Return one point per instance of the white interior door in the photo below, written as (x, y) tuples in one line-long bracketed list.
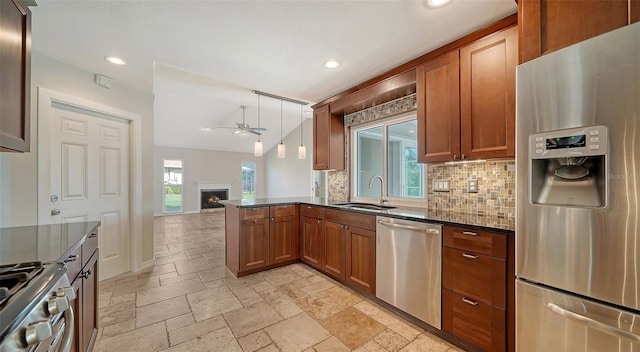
[(89, 167)]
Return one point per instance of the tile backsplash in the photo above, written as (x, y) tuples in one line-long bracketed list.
[(495, 179)]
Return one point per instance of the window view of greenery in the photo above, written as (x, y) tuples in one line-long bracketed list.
[(405, 176), (172, 186), (389, 150), (248, 180)]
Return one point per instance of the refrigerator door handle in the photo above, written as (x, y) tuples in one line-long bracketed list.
[(594, 324)]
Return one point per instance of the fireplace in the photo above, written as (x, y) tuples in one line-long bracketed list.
[(210, 198)]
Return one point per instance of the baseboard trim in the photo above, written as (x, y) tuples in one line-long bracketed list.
[(145, 265)]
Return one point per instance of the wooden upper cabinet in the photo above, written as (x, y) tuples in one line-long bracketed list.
[(437, 91), (328, 140), (549, 25), (487, 96), (466, 101), (15, 70)]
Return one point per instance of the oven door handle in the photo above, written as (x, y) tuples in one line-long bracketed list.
[(594, 324), (69, 322)]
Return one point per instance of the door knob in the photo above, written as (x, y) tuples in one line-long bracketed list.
[(55, 211)]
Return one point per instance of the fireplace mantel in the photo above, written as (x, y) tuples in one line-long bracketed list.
[(213, 185)]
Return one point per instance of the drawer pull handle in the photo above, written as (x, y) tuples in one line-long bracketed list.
[(469, 256), (319, 221), (469, 233), (71, 258), (468, 301)]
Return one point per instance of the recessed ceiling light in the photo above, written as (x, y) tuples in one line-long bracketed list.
[(115, 60), (331, 64), (206, 129), (436, 3)]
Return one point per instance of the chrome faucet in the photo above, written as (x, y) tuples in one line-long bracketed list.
[(382, 199)]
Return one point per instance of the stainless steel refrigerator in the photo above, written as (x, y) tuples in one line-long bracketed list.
[(578, 197)]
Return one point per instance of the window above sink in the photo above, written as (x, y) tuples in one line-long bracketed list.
[(388, 148)]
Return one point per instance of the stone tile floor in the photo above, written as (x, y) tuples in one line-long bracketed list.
[(190, 302)]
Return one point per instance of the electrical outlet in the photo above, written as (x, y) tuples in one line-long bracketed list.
[(472, 186)]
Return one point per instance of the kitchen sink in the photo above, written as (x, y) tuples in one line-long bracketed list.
[(368, 206)]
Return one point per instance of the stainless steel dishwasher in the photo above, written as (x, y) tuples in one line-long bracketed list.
[(408, 262)]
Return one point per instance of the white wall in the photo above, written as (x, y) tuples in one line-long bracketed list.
[(18, 172), (205, 165), (291, 177)]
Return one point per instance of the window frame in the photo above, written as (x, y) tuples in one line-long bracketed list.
[(164, 198), (384, 123), (242, 178)]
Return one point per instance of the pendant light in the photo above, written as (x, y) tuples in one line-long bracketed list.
[(281, 147), (302, 151), (257, 147)]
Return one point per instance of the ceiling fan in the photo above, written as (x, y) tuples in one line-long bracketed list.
[(242, 128)]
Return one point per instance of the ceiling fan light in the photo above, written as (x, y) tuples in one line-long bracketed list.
[(302, 152), (257, 148), (281, 150)]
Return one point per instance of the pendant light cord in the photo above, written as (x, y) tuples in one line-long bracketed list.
[(281, 121), (258, 116), (301, 124)]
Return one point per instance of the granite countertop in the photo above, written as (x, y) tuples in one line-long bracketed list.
[(478, 222), (45, 243)]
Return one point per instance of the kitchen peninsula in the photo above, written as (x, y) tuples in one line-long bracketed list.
[(339, 240)]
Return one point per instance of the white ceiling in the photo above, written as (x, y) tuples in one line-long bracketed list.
[(202, 59)]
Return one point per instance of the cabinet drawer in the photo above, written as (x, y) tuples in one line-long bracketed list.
[(349, 218), (282, 210), (476, 241), (254, 213), (73, 263), (476, 275), (473, 321), (311, 212), (89, 246)]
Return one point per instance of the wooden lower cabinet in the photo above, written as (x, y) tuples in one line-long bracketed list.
[(85, 284), (361, 259), (284, 239), (259, 238), (334, 249), (477, 288), (481, 276), (474, 321), (312, 249), (89, 302), (254, 244)]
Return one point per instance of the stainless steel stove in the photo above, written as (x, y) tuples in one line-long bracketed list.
[(35, 308)]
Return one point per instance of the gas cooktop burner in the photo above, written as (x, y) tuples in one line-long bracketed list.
[(14, 276)]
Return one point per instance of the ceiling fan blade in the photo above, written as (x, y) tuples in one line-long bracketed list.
[(255, 132), (228, 127), (238, 132), (258, 129)]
